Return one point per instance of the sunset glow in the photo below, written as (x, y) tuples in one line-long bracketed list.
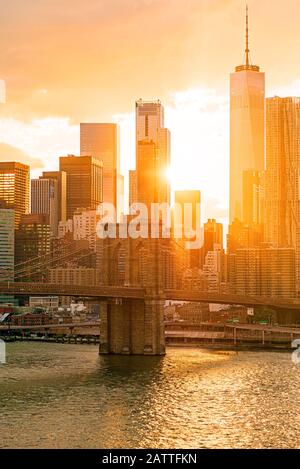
[(57, 75)]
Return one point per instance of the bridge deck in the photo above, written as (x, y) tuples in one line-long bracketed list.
[(131, 292)]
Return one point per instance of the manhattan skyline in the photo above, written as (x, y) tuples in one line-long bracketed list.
[(149, 228), (41, 116)]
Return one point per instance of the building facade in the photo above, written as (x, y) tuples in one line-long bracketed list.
[(102, 142), (213, 235), (282, 195), (84, 182), (247, 128), (73, 276), (61, 178), (14, 188), (7, 250), (7, 218), (152, 154), (85, 226), (45, 200), (32, 242), (268, 272)]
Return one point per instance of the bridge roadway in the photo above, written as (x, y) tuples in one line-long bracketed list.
[(226, 299), (34, 289), (123, 292)]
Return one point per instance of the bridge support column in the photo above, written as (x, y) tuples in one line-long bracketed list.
[(154, 331), (104, 339), (132, 327)]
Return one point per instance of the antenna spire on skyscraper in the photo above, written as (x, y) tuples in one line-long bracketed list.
[(247, 38), (248, 65)]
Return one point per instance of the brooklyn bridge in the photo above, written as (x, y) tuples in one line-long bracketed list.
[(136, 278)]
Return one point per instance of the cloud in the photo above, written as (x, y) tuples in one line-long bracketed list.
[(11, 153), (44, 140)]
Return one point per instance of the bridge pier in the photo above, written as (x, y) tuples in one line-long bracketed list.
[(132, 327), (285, 316)]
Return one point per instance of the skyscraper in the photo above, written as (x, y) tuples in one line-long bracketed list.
[(147, 187), (187, 213), (213, 237), (61, 178), (102, 142), (241, 235), (253, 197), (282, 197), (132, 187), (32, 241), (265, 271), (14, 187), (7, 221), (247, 127), (149, 119), (44, 200), (152, 153), (84, 182), (7, 249), (213, 234)]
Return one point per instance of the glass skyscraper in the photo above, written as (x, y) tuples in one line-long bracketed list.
[(84, 182), (14, 187), (102, 141), (152, 153), (282, 194), (247, 129), (7, 256)]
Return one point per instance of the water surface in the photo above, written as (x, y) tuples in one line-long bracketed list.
[(66, 396)]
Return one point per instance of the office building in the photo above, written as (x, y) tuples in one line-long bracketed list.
[(7, 250), (213, 235), (253, 198), (214, 269), (32, 241), (85, 226), (14, 187), (73, 276), (247, 128), (282, 197), (102, 141), (152, 154), (61, 178), (241, 235), (266, 271), (84, 182), (7, 220), (149, 117), (44, 200), (132, 187), (47, 302)]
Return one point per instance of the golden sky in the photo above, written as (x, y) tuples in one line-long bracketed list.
[(67, 61)]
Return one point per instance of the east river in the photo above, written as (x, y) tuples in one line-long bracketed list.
[(66, 396)]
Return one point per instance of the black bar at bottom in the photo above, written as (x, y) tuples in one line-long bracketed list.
[(137, 458)]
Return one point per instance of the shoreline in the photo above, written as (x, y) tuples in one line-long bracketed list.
[(225, 347)]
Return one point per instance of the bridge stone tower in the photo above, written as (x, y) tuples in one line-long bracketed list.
[(136, 326)]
